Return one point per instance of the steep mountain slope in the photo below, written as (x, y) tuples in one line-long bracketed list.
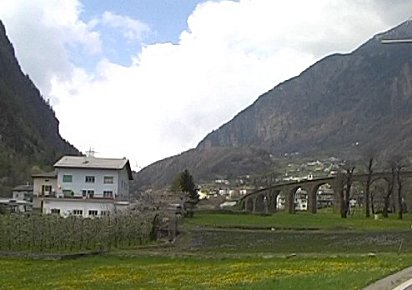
[(29, 129), (216, 162), (362, 98)]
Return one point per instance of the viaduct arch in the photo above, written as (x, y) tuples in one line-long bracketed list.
[(264, 200)]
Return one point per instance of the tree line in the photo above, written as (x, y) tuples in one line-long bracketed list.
[(391, 191)]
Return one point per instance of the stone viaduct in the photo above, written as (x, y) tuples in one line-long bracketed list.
[(264, 200)]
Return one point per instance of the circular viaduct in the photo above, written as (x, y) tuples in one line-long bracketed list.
[(264, 200)]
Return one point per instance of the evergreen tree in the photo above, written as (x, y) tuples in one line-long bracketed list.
[(188, 186), (184, 185)]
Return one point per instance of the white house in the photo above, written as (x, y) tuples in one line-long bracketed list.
[(84, 186)]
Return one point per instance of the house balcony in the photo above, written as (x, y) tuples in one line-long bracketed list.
[(78, 196), (47, 194)]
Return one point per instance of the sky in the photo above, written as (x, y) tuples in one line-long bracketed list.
[(148, 79)]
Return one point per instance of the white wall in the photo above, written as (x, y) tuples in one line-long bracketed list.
[(18, 195), (79, 184), (67, 206), (123, 184), (38, 182)]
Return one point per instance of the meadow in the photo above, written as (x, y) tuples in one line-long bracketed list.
[(111, 272), (236, 251), (301, 221)]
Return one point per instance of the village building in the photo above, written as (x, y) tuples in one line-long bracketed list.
[(23, 193), (20, 202), (84, 186)]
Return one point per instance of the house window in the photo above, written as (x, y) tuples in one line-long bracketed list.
[(84, 193), (89, 179), (68, 193), (78, 212), (105, 213), (108, 193), (93, 212), (67, 178), (46, 189), (55, 211), (108, 179), (90, 193)]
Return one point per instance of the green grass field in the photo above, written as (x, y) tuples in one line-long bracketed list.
[(237, 251), (303, 220), (110, 272), (300, 233), (287, 242)]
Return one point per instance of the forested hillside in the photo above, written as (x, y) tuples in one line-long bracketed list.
[(29, 129)]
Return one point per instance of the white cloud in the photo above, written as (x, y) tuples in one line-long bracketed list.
[(172, 95), (41, 32), (132, 29)]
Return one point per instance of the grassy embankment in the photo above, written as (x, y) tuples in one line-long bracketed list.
[(300, 233), (301, 221), (224, 251)]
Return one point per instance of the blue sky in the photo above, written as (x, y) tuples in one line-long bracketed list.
[(166, 19), (149, 79)]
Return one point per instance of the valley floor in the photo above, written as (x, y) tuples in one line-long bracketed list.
[(229, 251), (153, 272)]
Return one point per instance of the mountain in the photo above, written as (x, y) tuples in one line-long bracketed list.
[(339, 106), (361, 97), (29, 129)]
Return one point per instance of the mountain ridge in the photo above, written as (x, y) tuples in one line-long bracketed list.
[(340, 105), (29, 129)]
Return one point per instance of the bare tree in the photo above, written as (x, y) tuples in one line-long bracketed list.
[(389, 191), (369, 157), (372, 201), (398, 164), (349, 168), (339, 186)]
